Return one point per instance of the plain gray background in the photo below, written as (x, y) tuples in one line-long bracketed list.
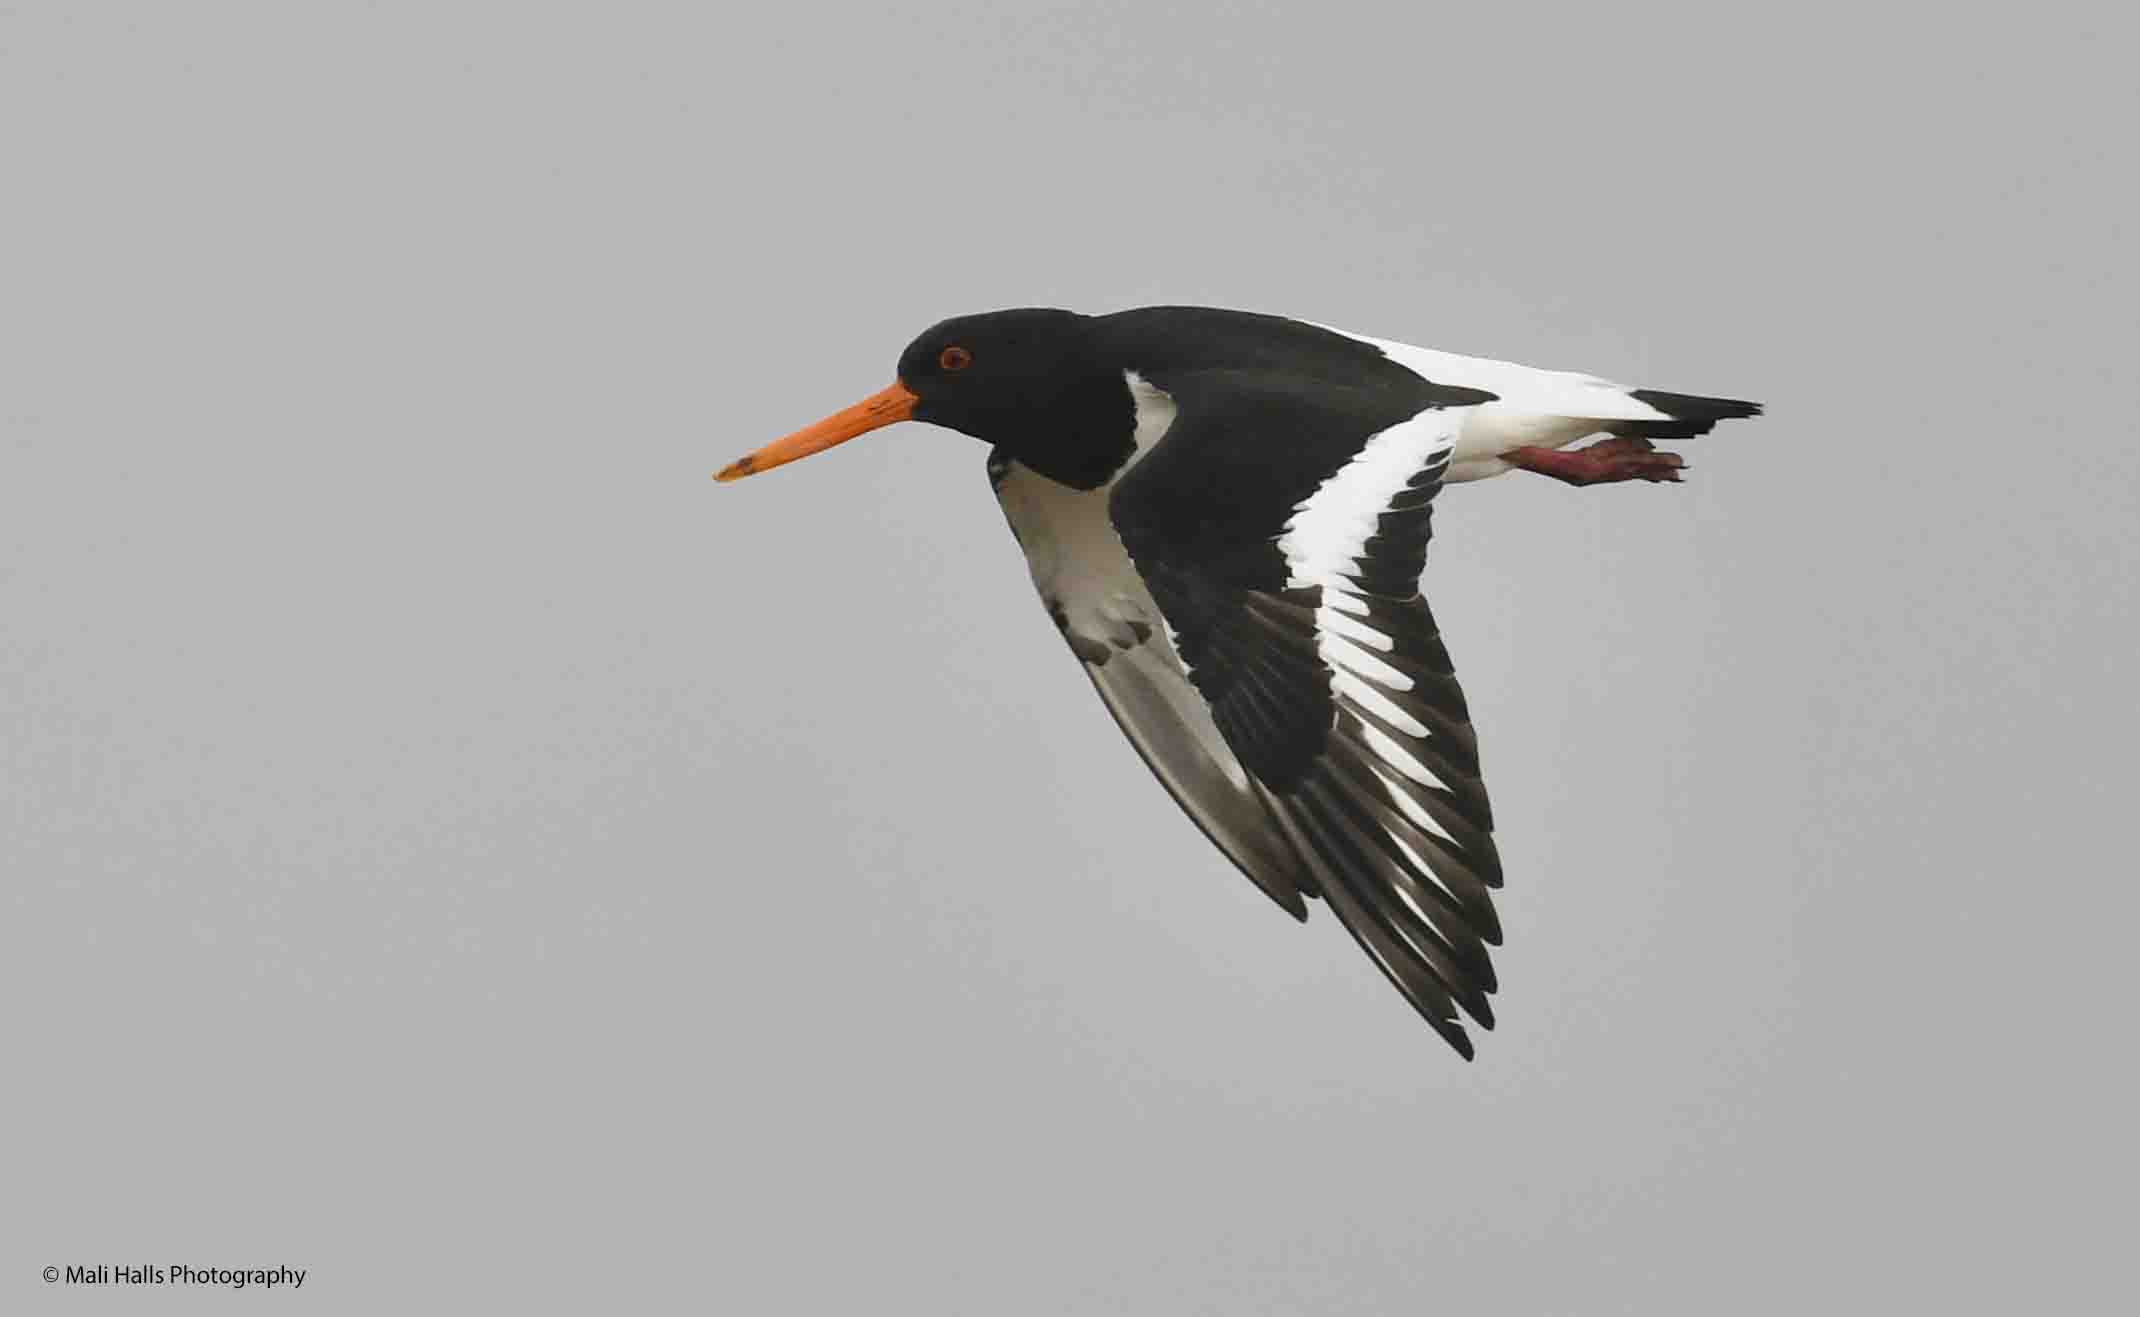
[(451, 845)]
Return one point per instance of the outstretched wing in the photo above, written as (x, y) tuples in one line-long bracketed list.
[(1280, 530)]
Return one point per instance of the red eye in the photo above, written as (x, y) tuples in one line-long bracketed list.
[(954, 358)]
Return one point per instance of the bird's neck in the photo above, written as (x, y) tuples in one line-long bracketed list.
[(1084, 437)]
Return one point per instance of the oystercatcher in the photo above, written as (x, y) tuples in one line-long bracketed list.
[(1227, 514)]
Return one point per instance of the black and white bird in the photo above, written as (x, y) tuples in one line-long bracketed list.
[(1227, 516)]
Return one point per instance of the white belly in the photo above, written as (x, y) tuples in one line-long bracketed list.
[(1496, 427)]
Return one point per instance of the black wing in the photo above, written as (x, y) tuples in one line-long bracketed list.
[(1281, 529)]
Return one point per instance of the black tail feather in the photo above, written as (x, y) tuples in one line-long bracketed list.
[(1691, 414)]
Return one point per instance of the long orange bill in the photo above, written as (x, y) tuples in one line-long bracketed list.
[(874, 412)]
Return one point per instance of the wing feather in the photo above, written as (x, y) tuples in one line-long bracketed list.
[(1164, 718), (1327, 677)]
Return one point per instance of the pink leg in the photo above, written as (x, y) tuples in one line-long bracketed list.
[(1624, 458)]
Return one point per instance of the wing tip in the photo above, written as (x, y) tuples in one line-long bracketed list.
[(1452, 1033)]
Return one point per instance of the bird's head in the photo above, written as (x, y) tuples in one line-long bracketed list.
[(1034, 382)]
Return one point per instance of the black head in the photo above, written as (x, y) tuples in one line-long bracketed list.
[(1033, 382), (981, 374)]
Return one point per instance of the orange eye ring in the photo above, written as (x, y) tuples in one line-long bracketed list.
[(954, 358)]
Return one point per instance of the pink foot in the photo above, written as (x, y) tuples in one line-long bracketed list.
[(1622, 458)]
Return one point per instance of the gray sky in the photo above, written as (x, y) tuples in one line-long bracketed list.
[(453, 846)]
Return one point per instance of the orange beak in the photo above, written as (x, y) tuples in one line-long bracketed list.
[(874, 412)]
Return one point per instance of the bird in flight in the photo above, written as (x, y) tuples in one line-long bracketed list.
[(1226, 515)]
